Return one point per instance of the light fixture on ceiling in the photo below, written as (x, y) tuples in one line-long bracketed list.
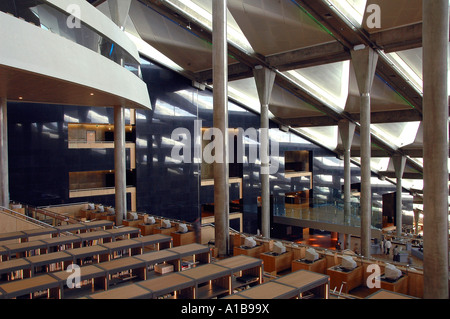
[(20, 98)]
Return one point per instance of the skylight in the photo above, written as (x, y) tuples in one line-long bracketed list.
[(200, 11), (351, 9)]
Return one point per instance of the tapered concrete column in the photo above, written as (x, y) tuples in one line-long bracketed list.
[(4, 167), (347, 131), (399, 166), (220, 120), (435, 140), (364, 62), (264, 79), (119, 164)]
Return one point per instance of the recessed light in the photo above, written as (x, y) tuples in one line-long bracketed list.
[(92, 93), (20, 98)]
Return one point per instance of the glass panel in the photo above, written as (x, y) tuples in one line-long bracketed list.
[(56, 21)]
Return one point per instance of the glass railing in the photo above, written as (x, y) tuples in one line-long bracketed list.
[(326, 208), (52, 19)]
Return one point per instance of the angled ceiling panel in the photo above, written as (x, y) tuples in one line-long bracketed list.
[(178, 44), (274, 27), (394, 14)]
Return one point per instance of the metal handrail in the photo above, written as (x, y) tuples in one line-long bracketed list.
[(23, 216)]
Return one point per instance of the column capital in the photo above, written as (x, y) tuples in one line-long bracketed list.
[(364, 63)]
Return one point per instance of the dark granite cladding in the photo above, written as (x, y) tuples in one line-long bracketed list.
[(39, 157)]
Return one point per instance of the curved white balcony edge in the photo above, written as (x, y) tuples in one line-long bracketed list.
[(94, 18), (31, 59)]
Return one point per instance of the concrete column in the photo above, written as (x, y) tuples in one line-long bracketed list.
[(264, 79), (119, 164), (435, 141), (364, 62), (347, 131), (220, 120), (4, 167), (399, 166)]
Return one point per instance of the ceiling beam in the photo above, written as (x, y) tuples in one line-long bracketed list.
[(397, 39), (311, 56)]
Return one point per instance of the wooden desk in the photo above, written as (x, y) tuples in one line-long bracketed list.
[(270, 290), (156, 257), (252, 252), (30, 286), (175, 284), (72, 228), (305, 280), (120, 246), (89, 272), (21, 264), (276, 263), (353, 278), (127, 232), (54, 244), (319, 265), (131, 291), (79, 254), (60, 259), (198, 252), (399, 286), (211, 280), (164, 231), (24, 249), (126, 264), (39, 232), (384, 294), (180, 239), (159, 241), (88, 238), (243, 269), (103, 224), (17, 235), (147, 229)]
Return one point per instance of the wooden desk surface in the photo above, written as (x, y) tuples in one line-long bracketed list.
[(71, 227), (87, 251), (167, 283), (303, 279), (270, 290), (94, 235), (61, 240), (23, 286), (98, 223), (155, 257), (153, 239), (14, 264), (190, 249), (239, 262), (121, 264), (39, 231), (207, 272), (12, 235), (132, 291), (122, 244), (123, 231), (86, 272), (28, 245), (43, 259), (385, 294)]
